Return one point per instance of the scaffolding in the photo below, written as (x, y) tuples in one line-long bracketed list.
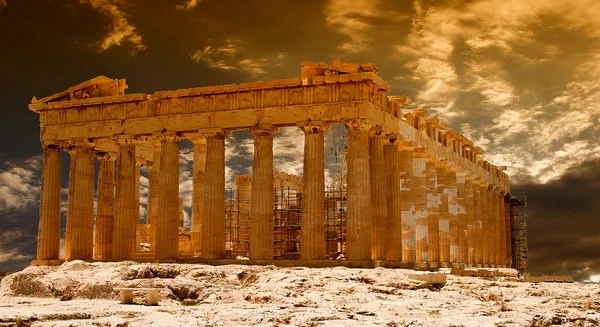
[(237, 223), (335, 221), (287, 211), (518, 215)]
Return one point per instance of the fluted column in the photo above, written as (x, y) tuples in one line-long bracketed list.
[(461, 206), (359, 225), (378, 196), (213, 231), (493, 223), (394, 201), (167, 224), (419, 187), (477, 209), (80, 222), (312, 236), (508, 231), (198, 191), (433, 223), (471, 223), (126, 213), (261, 214), (444, 218), (500, 247), (105, 208), (407, 205), (485, 211), (48, 243), (153, 186), (451, 190)]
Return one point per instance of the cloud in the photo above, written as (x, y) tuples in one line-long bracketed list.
[(120, 31), (233, 56), (3, 5), (20, 184), (350, 18), (563, 223), (188, 5), (12, 246)]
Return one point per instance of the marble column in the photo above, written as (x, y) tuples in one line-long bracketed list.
[(359, 224), (500, 246), (407, 204), (451, 190), (261, 214), (419, 188), (471, 223), (488, 227), (378, 196), (80, 222), (493, 217), (105, 208), (198, 191), (213, 231), (508, 230), (433, 200), (167, 224), (461, 202), (478, 222), (394, 200), (153, 187), (126, 213), (312, 236), (48, 244), (485, 229), (444, 218)]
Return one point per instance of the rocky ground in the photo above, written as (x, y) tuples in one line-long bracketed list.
[(81, 294)]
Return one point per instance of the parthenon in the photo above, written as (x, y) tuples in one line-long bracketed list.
[(418, 193)]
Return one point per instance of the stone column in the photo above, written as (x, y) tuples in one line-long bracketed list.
[(394, 200), (167, 224), (80, 222), (461, 201), (451, 190), (378, 196), (471, 223), (500, 247), (126, 213), (105, 208), (312, 236), (444, 218), (508, 231), (359, 224), (407, 205), (485, 228), (419, 188), (48, 243), (213, 231), (261, 215), (198, 191), (478, 222), (153, 186), (433, 200), (488, 226), (138, 168)]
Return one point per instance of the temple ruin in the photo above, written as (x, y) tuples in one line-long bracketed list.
[(418, 194)]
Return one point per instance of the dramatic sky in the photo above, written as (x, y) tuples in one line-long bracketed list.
[(520, 78)]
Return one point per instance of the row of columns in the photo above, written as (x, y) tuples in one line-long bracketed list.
[(403, 205)]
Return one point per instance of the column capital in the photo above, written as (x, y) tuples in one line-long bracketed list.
[(195, 137), (313, 126), (359, 125), (126, 139), (405, 145), (53, 145), (264, 130), (215, 133), (107, 156), (441, 163), (419, 153), (167, 136)]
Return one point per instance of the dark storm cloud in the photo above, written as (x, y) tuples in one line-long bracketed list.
[(564, 223)]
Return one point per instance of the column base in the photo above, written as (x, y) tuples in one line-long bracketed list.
[(456, 265), (434, 265), (421, 265), (479, 265), (47, 262), (445, 265)]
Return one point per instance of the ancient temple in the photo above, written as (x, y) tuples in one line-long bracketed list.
[(418, 193)]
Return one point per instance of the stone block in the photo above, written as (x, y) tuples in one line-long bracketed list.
[(435, 279)]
